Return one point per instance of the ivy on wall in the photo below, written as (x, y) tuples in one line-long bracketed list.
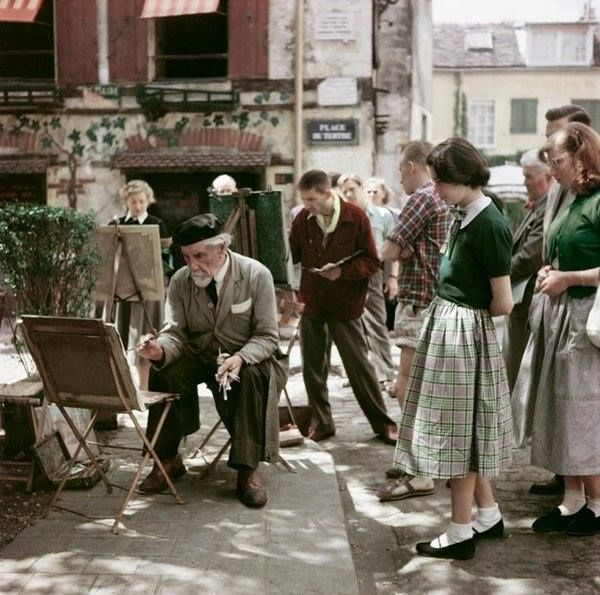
[(100, 139)]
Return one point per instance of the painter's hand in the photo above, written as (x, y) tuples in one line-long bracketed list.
[(330, 271), (232, 366), (149, 348)]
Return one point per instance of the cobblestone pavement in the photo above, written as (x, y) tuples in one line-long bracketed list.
[(304, 541), (382, 535)]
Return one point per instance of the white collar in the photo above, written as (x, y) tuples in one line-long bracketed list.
[(140, 219), (474, 208), (220, 274)]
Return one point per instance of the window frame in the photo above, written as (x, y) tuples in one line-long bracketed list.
[(557, 59), (472, 137)]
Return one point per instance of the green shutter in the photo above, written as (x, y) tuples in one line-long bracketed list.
[(593, 108), (523, 116)]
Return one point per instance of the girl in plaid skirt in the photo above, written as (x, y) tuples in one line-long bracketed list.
[(456, 422)]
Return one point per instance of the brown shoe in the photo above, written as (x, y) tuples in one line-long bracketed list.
[(319, 433), (250, 490), (155, 483)]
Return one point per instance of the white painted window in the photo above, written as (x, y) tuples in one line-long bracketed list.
[(481, 122), (547, 47)]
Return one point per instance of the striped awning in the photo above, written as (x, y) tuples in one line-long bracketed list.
[(172, 8), (19, 11)]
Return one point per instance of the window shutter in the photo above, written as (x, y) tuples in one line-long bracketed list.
[(592, 106), (248, 35), (127, 41), (76, 41), (523, 116)]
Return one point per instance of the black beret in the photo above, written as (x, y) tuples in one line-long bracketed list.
[(197, 229)]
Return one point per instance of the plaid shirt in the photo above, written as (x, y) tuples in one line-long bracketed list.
[(423, 225)]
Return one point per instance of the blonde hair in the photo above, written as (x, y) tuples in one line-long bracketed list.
[(349, 178), (135, 186), (381, 183)]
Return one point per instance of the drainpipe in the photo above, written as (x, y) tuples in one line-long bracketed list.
[(102, 31), (298, 90)]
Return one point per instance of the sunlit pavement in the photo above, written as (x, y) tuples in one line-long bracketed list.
[(323, 530)]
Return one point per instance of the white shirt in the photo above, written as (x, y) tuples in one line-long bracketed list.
[(140, 219), (474, 208), (220, 274)]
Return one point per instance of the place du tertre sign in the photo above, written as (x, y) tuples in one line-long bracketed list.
[(332, 132)]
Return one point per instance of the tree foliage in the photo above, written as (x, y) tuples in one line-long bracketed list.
[(47, 260)]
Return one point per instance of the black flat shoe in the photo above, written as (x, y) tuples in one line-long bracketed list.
[(463, 550), (495, 532), (585, 523), (553, 522)]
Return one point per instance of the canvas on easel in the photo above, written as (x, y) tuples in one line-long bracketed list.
[(140, 255), (82, 365)]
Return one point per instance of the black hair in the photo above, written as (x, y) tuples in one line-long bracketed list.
[(573, 113), (457, 161)]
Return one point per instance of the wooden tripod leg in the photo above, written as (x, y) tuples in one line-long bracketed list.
[(207, 438), (150, 445), (149, 452), (286, 465), (214, 462), (81, 444)]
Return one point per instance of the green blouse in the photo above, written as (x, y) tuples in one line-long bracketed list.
[(573, 242), (482, 250)]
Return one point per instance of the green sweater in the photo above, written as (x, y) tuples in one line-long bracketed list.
[(574, 239), (482, 250)]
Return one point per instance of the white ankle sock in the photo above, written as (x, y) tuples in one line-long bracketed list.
[(594, 505), (454, 534), (573, 501), (486, 518)]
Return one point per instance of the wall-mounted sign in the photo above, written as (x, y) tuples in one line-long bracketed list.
[(335, 26), (337, 91), (332, 132)]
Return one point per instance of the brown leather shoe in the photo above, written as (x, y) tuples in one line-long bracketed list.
[(389, 435), (250, 490), (155, 483), (319, 433)]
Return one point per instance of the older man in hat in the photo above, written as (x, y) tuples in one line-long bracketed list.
[(220, 329)]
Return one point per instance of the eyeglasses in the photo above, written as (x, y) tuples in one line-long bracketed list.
[(557, 161)]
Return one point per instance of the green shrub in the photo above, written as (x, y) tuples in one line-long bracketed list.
[(46, 259)]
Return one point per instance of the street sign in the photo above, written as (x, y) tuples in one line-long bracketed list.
[(332, 132)]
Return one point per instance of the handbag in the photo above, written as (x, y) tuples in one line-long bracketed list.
[(592, 326)]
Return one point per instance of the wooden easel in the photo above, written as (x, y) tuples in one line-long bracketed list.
[(108, 314), (243, 218), (82, 365)]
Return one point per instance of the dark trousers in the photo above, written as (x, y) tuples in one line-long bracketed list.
[(349, 338), (242, 412)]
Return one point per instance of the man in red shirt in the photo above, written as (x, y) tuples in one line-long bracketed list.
[(326, 231)]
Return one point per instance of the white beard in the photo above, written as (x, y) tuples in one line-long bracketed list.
[(201, 280)]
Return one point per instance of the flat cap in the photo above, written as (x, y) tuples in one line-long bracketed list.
[(197, 229)]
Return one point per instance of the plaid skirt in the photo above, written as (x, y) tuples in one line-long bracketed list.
[(566, 419), (457, 416)]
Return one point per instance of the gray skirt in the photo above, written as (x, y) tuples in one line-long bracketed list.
[(566, 418), (456, 417)]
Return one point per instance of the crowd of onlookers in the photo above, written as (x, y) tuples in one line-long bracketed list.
[(437, 269)]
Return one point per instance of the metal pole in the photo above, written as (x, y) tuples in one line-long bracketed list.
[(298, 90)]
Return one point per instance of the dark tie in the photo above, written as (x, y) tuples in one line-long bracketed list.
[(211, 290)]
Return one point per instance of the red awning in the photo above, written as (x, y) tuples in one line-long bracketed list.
[(172, 8), (19, 11)]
